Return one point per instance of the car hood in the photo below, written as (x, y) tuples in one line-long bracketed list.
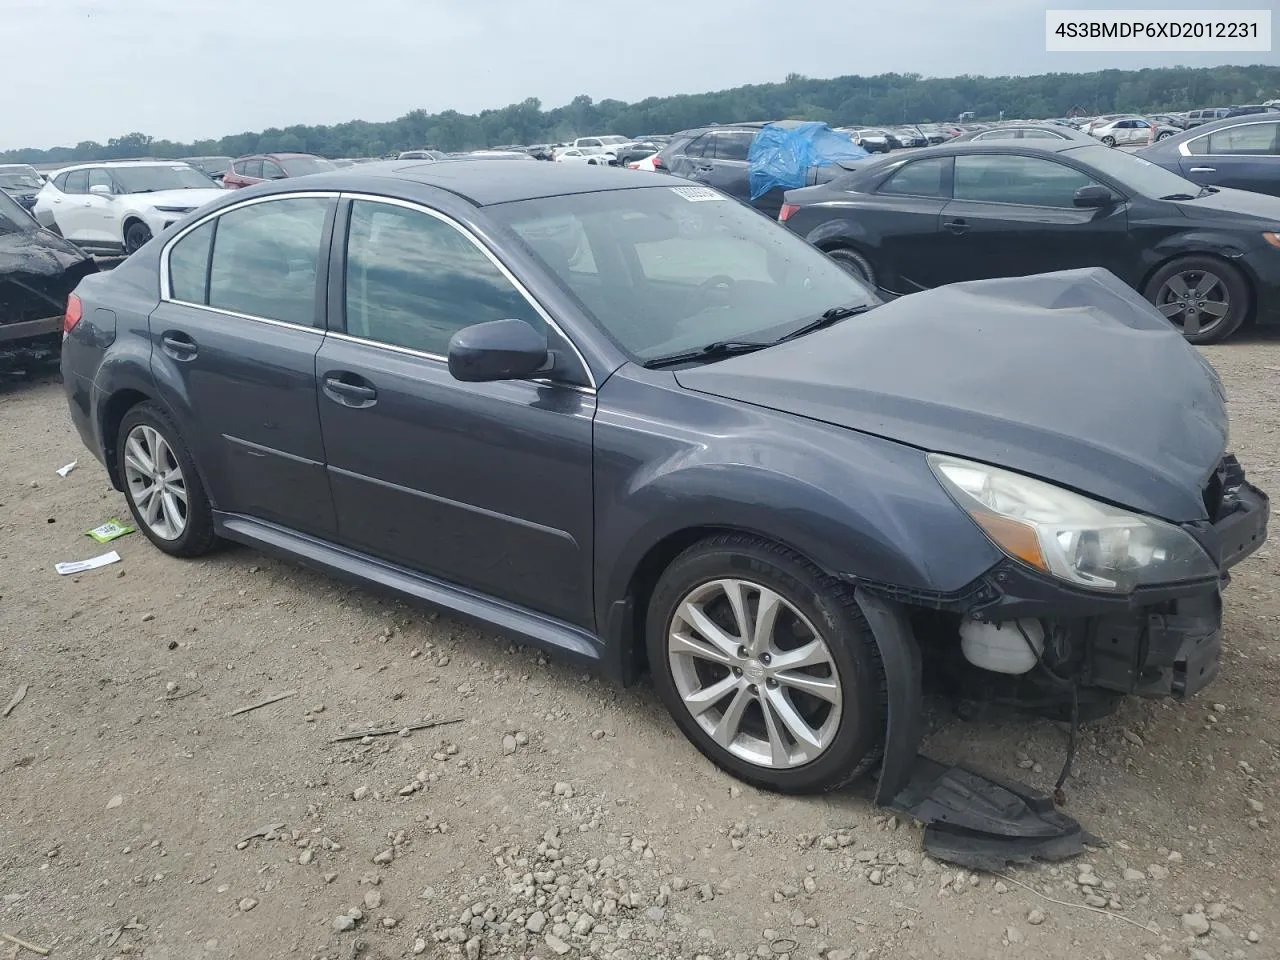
[(37, 271), (1235, 203), (178, 198), (1068, 376)]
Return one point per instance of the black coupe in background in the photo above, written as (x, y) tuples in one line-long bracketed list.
[(1208, 258)]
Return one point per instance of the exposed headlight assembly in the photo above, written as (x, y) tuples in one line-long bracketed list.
[(1065, 535)]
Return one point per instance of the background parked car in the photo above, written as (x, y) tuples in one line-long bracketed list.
[(1128, 131), (1205, 115), (1207, 259), (1241, 152), (1249, 109), (22, 182), (37, 271), (717, 156), (576, 155), (214, 168), (420, 155), (629, 153), (118, 205), (1028, 131), (273, 166), (872, 139)]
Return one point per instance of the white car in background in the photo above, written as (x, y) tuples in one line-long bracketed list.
[(645, 164), (576, 155), (117, 206), (1131, 130)]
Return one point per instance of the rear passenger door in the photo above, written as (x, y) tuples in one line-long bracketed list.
[(234, 342), (1246, 157), (728, 171)]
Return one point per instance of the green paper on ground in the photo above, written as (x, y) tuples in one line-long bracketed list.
[(113, 529)]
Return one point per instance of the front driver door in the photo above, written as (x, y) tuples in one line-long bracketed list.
[(1014, 215), (484, 485)]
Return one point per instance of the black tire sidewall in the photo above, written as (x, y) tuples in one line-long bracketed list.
[(198, 536), (1237, 287), (848, 257), (140, 228), (856, 745)]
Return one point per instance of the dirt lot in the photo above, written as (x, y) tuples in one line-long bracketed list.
[(562, 816)]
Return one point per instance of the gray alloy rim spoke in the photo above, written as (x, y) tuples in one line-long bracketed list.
[(1215, 308), (1179, 286), (1207, 282), (754, 673), (1172, 309), (155, 482)]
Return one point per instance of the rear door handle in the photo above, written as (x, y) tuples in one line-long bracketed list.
[(178, 345), (956, 226), (1204, 169), (349, 389)]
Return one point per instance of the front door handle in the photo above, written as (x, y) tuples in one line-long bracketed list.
[(178, 345), (956, 226), (1204, 169), (349, 389)]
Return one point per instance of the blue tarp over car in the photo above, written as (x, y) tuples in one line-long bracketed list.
[(783, 156)]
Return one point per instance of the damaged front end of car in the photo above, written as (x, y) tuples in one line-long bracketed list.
[(1092, 603)]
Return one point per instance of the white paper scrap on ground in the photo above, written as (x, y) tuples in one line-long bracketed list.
[(63, 471), (80, 566)]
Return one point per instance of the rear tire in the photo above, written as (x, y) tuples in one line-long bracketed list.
[(1196, 288), (822, 729), (855, 263), (162, 484), (1165, 135), (1109, 141)]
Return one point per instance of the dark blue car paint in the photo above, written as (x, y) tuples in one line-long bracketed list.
[(582, 492)]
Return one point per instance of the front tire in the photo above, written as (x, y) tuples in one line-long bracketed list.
[(1165, 135), (162, 484), (135, 236), (1206, 298), (767, 665), (1109, 141)]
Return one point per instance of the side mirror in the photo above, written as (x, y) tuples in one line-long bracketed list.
[(1094, 195), (498, 350), (100, 190)]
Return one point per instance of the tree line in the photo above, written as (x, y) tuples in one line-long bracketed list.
[(888, 98)]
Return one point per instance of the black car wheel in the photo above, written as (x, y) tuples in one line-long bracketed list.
[(162, 485), (767, 665), (855, 263), (1205, 297), (136, 235)]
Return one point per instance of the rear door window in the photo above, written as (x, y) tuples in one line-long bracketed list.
[(733, 144), (265, 259), (920, 178), (1248, 139), (253, 168), (77, 182)]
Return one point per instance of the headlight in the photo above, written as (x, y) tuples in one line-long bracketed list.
[(1068, 536)]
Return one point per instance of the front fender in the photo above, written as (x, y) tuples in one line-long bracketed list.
[(670, 460)]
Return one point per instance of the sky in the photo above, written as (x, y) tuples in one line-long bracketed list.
[(181, 70)]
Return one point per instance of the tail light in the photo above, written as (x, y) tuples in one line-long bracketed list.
[(75, 310), (787, 210), (657, 162)]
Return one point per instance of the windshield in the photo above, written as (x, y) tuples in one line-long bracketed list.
[(1135, 174), (20, 179), (148, 179), (13, 219), (665, 270), (301, 166)]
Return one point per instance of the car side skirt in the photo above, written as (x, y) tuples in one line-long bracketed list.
[(518, 623)]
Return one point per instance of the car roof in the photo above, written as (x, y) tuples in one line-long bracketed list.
[(116, 164), (484, 181)]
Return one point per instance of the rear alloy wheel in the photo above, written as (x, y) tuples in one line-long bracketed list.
[(137, 234), (1109, 141), (855, 263), (161, 484), (1204, 297), (767, 665), (1164, 135)]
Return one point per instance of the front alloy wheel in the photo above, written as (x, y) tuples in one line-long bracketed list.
[(1207, 299), (754, 673), (767, 665)]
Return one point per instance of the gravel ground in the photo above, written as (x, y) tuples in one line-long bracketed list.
[(561, 815)]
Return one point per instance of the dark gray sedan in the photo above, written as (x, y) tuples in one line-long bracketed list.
[(1240, 152), (631, 420)]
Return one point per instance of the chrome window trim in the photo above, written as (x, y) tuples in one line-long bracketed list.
[(489, 254), (245, 316), (1184, 148)]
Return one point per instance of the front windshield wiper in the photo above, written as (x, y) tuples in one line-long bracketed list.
[(1180, 196), (712, 351), (826, 319)]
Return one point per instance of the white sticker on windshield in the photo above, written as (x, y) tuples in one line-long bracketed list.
[(696, 194)]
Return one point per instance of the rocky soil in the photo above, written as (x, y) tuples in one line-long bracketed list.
[(560, 815)]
